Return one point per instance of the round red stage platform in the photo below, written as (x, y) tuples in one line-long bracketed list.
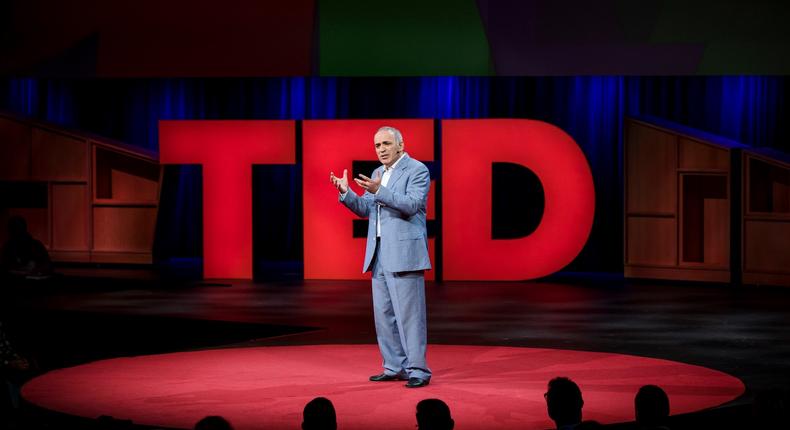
[(267, 387)]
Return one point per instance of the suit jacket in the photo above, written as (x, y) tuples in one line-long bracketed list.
[(404, 237)]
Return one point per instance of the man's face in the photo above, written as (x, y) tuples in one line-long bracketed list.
[(387, 149)]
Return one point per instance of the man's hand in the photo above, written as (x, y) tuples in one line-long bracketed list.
[(340, 183), (370, 185)]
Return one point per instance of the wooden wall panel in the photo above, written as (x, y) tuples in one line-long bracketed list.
[(701, 274), (14, 150), (47, 176), (780, 192), (757, 179), (124, 178), (119, 229), (70, 217), (696, 155), (766, 246), (58, 157), (705, 219), (678, 203), (650, 169), (768, 186), (129, 187), (652, 241), (766, 226), (716, 242)]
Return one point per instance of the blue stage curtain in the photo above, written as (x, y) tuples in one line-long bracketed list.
[(749, 109)]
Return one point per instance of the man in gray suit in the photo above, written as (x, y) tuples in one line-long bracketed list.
[(397, 253)]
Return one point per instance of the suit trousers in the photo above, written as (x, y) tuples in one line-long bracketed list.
[(401, 328)]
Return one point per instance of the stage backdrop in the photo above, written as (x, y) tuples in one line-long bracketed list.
[(751, 110)]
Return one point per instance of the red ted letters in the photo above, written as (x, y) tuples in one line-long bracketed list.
[(228, 149)]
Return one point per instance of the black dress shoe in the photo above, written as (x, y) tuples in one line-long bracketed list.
[(383, 377), (417, 382)]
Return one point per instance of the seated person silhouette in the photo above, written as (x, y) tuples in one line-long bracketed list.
[(564, 403), (434, 414), (213, 422), (22, 255), (319, 414), (651, 408)]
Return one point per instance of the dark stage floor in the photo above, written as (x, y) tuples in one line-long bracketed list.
[(93, 314)]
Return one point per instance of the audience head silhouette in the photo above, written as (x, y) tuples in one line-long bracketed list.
[(22, 254), (564, 402), (17, 229), (588, 425), (319, 414), (651, 406), (434, 414), (213, 422)]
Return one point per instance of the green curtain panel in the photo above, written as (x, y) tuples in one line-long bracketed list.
[(403, 38)]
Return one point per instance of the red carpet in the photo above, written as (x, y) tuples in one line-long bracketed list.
[(486, 387)]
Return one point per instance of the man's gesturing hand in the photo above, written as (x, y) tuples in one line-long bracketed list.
[(370, 185), (340, 183)]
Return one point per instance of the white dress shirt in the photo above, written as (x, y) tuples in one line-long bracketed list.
[(385, 178)]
